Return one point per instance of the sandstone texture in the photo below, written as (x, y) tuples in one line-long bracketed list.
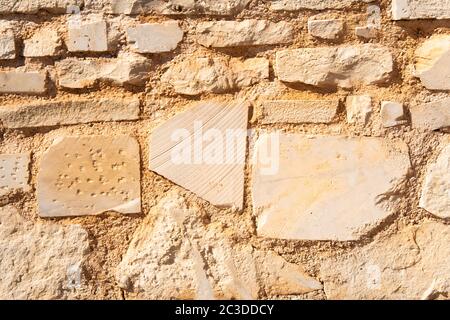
[(294, 5), (43, 43), (7, 45), (155, 37), (420, 9), (87, 35), (392, 114), (325, 29), (432, 115), (32, 82), (359, 109), (14, 172)]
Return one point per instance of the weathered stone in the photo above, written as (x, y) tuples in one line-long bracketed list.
[(128, 68), (173, 255), (39, 260), (7, 45), (87, 35), (63, 112), (89, 175), (370, 30), (155, 37), (298, 111), (33, 6), (431, 116), (203, 150), (14, 172), (305, 187), (433, 62), (412, 264), (359, 109), (22, 82), (243, 33), (196, 75), (325, 29), (420, 9), (435, 197), (294, 5), (392, 114), (335, 66), (43, 43), (367, 32)]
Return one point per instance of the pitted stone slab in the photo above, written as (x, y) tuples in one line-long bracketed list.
[(44, 43), (14, 172), (89, 175), (87, 35), (304, 187), (420, 9), (155, 37)]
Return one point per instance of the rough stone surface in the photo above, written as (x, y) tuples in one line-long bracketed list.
[(359, 109), (309, 194), (32, 82), (89, 175), (294, 5), (127, 69), (392, 114), (435, 197), (155, 37), (298, 111), (412, 264), (335, 66), (34, 6), (87, 35), (194, 150), (173, 255), (64, 112), (433, 62), (196, 75), (14, 172), (7, 45), (368, 32), (431, 116), (243, 33), (39, 260), (420, 9), (325, 29), (43, 43)]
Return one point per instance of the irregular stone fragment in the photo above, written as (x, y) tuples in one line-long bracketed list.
[(433, 62), (14, 172), (294, 5), (359, 109), (128, 68), (33, 6), (368, 32), (22, 82), (43, 43), (392, 114), (155, 37), (303, 188), (298, 111), (435, 197), (7, 45), (52, 113), (89, 175), (194, 261), (325, 29), (203, 150), (243, 33), (196, 75), (431, 116), (420, 9), (335, 66), (87, 35), (40, 260), (411, 264)]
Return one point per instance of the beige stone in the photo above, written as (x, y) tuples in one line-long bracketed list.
[(412, 264), (33, 6), (7, 45), (435, 196), (43, 43), (392, 114), (31, 82), (127, 69), (203, 150), (248, 32), (298, 111), (303, 187), (420, 9), (359, 109), (87, 34), (335, 66), (325, 29), (64, 112), (433, 62), (40, 260), (368, 32), (194, 261), (218, 74), (155, 37), (89, 175), (294, 5), (14, 172), (431, 116)]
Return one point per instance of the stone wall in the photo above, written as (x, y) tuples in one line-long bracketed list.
[(247, 149)]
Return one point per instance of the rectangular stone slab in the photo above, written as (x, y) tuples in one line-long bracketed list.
[(22, 82), (14, 172), (420, 9)]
